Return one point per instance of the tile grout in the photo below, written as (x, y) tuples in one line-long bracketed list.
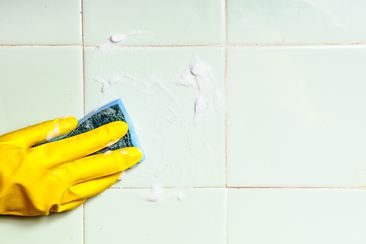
[(299, 187), (247, 187), (226, 229), (224, 45), (83, 90), (225, 90), (39, 45), (225, 124)]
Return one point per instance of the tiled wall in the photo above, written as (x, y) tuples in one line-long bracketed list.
[(276, 153)]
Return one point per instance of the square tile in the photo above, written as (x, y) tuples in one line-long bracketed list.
[(126, 216), (149, 22), (296, 21), (55, 228), (296, 117), (260, 216), (40, 22), (183, 143), (39, 83)]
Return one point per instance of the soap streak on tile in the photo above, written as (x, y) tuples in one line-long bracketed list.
[(115, 39), (199, 75)]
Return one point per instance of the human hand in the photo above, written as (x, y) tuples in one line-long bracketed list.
[(59, 176)]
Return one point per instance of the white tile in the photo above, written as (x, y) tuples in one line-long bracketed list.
[(297, 117), (163, 22), (40, 22), (126, 216), (260, 216), (55, 228), (39, 83), (296, 21), (180, 149)]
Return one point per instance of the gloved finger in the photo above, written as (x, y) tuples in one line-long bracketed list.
[(66, 206), (100, 165), (34, 134), (90, 188), (73, 148)]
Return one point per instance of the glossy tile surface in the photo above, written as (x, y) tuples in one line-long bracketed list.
[(56, 228), (296, 117), (296, 216), (39, 83), (184, 145), (40, 22), (150, 22), (127, 215), (296, 21)]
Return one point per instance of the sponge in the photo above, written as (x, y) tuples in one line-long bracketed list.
[(113, 111)]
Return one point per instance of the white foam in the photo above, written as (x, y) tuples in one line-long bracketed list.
[(155, 194), (54, 132)]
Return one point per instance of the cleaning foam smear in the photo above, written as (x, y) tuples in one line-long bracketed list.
[(179, 196), (199, 75), (53, 133), (155, 194), (113, 111), (116, 38), (109, 81)]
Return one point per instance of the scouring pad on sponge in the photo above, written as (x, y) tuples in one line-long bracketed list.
[(113, 111)]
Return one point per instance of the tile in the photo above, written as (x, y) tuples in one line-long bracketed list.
[(171, 22), (296, 216), (296, 21), (125, 216), (296, 117), (39, 83), (40, 22), (55, 228), (181, 148)]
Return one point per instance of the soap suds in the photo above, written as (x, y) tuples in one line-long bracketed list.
[(121, 176), (179, 196), (156, 193), (54, 132), (109, 81), (123, 152), (199, 75), (116, 38), (171, 116)]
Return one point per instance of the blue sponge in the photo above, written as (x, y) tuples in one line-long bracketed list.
[(113, 111)]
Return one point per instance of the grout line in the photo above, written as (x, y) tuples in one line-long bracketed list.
[(225, 93), (227, 45), (83, 90), (299, 187), (225, 22), (83, 211), (225, 124), (226, 216), (247, 187), (39, 45), (330, 44), (239, 45), (83, 55), (161, 46)]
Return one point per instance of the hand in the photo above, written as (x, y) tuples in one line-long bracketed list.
[(58, 176)]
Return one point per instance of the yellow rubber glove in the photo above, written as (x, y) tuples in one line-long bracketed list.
[(58, 176)]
